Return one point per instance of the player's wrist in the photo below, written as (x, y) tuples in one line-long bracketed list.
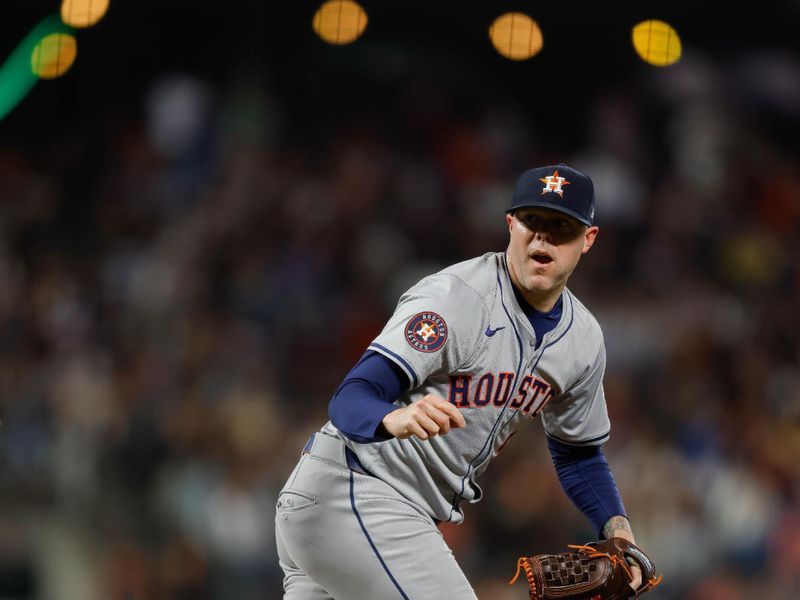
[(618, 526), (381, 433), (390, 422)]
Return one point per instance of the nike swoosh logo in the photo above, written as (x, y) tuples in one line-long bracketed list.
[(490, 332)]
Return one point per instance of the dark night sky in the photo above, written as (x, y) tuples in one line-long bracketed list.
[(587, 45)]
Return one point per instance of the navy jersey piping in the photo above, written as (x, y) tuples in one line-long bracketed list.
[(492, 432), (571, 319), (369, 539), (533, 370), (545, 347), (402, 361), (581, 442)]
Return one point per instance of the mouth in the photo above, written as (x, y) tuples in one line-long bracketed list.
[(541, 257)]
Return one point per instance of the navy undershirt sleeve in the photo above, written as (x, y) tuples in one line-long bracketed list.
[(587, 480), (366, 396)]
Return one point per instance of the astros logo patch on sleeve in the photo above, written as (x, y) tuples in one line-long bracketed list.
[(426, 332)]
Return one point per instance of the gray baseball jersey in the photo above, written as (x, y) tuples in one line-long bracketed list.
[(461, 334)]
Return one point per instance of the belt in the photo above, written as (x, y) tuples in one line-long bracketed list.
[(333, 449)]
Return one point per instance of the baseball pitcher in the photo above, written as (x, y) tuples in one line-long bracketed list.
[(470, 355)]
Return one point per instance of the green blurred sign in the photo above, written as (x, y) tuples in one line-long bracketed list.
[(16, 75)]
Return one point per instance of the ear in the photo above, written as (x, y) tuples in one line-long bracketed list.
[(510, 221), (588, 238)]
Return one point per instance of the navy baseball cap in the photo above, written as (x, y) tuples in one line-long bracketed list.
[(558, 187)]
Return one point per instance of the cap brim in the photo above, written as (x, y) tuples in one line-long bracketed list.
[(554, 207)]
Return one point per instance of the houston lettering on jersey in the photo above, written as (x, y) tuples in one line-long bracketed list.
[(494, 389)]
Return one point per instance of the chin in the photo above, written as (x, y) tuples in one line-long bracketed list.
[(539, 283)]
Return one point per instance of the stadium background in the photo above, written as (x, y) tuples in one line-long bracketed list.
[(204, 222)]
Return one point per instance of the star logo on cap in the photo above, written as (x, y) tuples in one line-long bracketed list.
[(553, 183)]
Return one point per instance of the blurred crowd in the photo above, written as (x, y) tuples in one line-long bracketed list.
[(182, 289)]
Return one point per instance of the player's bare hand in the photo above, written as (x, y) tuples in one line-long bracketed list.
[(425, 418), (618, 526), (636, 574)]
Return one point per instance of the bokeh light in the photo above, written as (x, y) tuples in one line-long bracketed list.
[(83, 13), (657, 43), (17, 77), (516, 36), (340, 21), (54, 55)]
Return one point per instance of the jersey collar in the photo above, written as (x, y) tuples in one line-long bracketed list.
[(567, 308)]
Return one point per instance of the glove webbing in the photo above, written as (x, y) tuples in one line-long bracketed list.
[(591, 552)]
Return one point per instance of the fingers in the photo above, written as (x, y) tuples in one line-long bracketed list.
[(439, 419), (429, 427), (636, 579), (411, 420), (414, 428), (446, 415), (455, 417), (428, 417)]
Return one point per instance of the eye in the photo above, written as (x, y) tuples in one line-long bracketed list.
[(530, 221)]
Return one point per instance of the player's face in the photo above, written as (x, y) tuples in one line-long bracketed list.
[(544, 249)]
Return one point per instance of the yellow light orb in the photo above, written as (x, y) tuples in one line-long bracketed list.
[(339, 21), (516, 36), (54, 55), (83, 13), (657, 43)]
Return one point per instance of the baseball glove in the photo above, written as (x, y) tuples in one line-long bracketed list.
[(597, 571)]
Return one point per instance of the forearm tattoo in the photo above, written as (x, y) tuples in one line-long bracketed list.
[(616, 524)]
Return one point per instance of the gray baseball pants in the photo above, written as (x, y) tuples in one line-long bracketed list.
[(346, 535)]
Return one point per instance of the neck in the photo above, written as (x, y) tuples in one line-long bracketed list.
[(541, 301)]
